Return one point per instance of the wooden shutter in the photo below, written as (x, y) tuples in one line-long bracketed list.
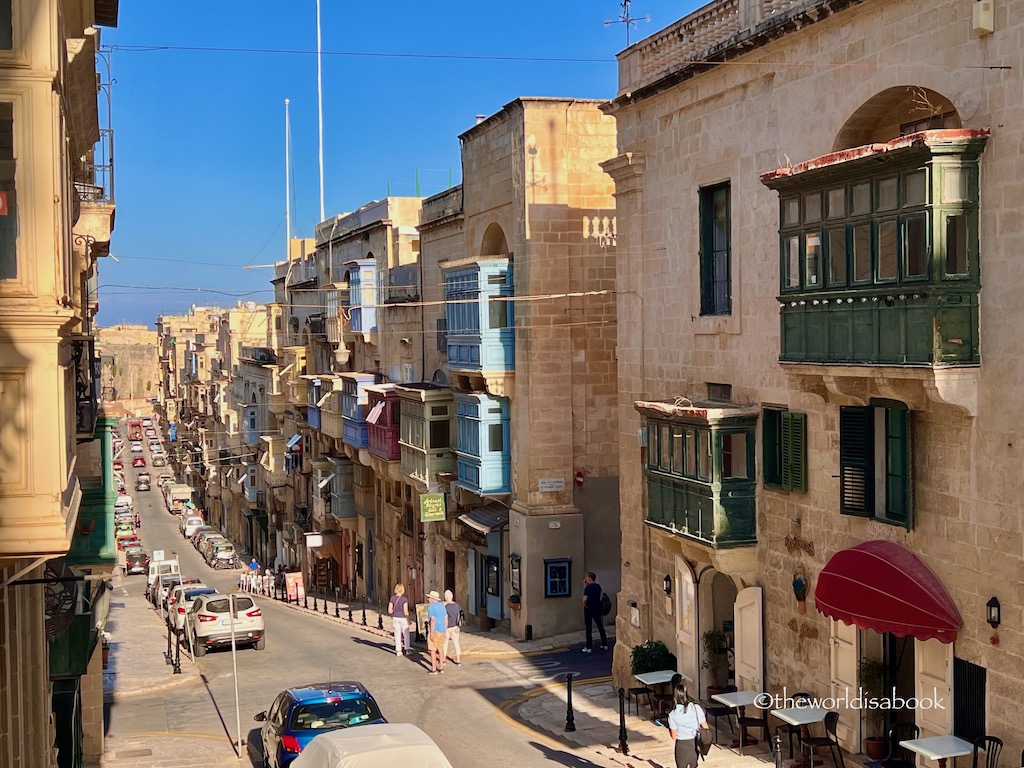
[(771, 447), (786, 449), (856, 461), (795, 456), (898, 466)]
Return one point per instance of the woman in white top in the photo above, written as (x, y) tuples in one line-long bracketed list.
[(683, 723)]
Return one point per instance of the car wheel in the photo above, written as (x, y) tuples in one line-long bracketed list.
[(261, 644), (200, 648)]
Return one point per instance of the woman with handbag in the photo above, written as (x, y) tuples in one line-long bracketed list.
[(684, 724)]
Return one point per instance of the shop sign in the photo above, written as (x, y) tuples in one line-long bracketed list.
[(432, 507)]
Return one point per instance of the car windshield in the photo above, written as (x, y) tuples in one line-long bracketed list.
[(170, 581), (333, 713), (222, 605)]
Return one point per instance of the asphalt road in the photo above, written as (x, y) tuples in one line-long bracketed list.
[(460, 709)]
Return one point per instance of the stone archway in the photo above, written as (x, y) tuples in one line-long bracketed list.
[(494, 242), (894, 112)]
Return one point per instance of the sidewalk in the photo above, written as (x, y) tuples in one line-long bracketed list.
[(596, 717), (136, 666)]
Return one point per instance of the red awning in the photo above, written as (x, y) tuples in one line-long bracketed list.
[(882, 586)]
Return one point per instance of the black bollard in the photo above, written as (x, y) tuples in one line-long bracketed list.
[(364, 610), (177, 654), (337, 604), (350, 610), (325, 601), (315, 609), (777, 750), (570, 718), (623, 746), (380, 617), (167, 653), (305, 600)]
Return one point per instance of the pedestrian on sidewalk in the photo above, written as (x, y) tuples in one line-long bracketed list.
[(254, 572), (592, 611), (398, 610), (452, 633), (437, 625), (683, 724)]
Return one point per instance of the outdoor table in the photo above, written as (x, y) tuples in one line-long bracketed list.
[(939, 747), (658, 678), (803, 717), (740, 700)]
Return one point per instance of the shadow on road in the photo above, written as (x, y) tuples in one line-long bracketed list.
[(561, 758), (220, 715)]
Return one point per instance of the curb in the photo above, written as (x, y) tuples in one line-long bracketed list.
[(116, 696)]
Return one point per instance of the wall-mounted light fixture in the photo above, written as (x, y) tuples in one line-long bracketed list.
[(667, 585), (993, 612)]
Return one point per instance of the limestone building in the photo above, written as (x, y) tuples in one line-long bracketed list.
[(817, 208)]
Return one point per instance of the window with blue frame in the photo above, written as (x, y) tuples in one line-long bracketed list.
[(558, 577), (462, 292)]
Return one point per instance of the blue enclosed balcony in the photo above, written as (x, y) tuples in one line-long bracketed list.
[(354, 408), (317, 390), (483, 443), (362, 283), (480, 318)]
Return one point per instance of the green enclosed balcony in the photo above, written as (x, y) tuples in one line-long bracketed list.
[(92, 544), (701, 483), (879, 253)]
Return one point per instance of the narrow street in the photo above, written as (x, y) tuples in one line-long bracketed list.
[(303, 647)]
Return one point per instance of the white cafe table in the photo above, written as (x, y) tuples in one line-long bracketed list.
[(740, 700), (803, 717), (939, 748), (661, 677)]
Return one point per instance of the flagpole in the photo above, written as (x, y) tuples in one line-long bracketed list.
[(320, 105)]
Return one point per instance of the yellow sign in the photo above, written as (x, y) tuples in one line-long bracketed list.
[(432, 507)]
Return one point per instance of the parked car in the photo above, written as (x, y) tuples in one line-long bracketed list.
[(209, 542), (211, 621), (298, 715), (180, 599), (375, 745), (136, 561), (138, 461), (159, 588), (164, 479), (194, 538), (118, 465), (188, 525), (123, 502), (159, 460), (147, 422), (150, 432), (221, 555), (137, 447), (129, 541), (142, 484)]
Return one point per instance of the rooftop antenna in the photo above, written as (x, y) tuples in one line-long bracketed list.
[(625, 18)]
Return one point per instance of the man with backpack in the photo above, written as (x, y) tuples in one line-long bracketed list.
[(592, 611)]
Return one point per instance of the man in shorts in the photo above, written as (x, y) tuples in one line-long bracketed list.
[(452, 634), (437, 629)]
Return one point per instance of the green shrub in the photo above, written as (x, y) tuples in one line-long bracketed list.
[(651, 656)]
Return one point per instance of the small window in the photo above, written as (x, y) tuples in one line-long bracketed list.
[(837, 203), (956, 244), (440, 435), (439, 410), (558, 577), (837, 257), (887, 256), (812, 207), (784, 450), (704, 455), (955, 185), (720, 393), (677, 450), (791, 212), (862, 253), (690, 469), (496, 438), (812, 259), (915, 245), (915, 188), (734, 456), (888, 197), (792, 262), (861, 200), (498, 317)]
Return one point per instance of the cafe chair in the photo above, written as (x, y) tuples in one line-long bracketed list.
[(758, 721), (634, 694), (793, 730), (716, 711), (665, 702), (897, 756), (992, 747), (829, 740)]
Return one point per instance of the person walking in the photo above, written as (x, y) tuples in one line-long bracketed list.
[(592, 611), (254, 572), (398, 610), (683, 724), (437, 625), (452, 633)]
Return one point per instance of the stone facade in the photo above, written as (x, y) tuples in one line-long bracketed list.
[(130, 364), (862, 73)]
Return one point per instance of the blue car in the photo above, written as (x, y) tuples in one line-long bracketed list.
[(299, 714)]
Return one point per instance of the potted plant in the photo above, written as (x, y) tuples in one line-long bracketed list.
[(715, 648), (872, 674), (651, 656)]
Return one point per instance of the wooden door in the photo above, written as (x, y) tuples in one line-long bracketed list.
[(686, 621), (844, 642), (933, 682), (749, 652)]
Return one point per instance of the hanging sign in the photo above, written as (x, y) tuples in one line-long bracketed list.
[(432, 507)]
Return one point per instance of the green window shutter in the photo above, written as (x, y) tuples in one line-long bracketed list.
[(856, 462), (796, 458), (898, 466), (771, 447), (786, 450)]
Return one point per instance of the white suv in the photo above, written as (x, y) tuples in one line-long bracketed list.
[(210, 619), (180, 600)]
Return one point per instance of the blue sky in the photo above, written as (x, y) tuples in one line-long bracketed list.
[(199, 165)]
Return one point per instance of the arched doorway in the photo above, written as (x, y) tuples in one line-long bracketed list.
[(494, 242)]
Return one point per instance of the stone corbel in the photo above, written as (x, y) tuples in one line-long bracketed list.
[(852, 390), (957, 387), (626, 170), (812, 385), (904, 390)]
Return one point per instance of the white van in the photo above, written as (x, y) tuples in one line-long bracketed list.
[(158, 568), (372, 746), (189, 523)]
